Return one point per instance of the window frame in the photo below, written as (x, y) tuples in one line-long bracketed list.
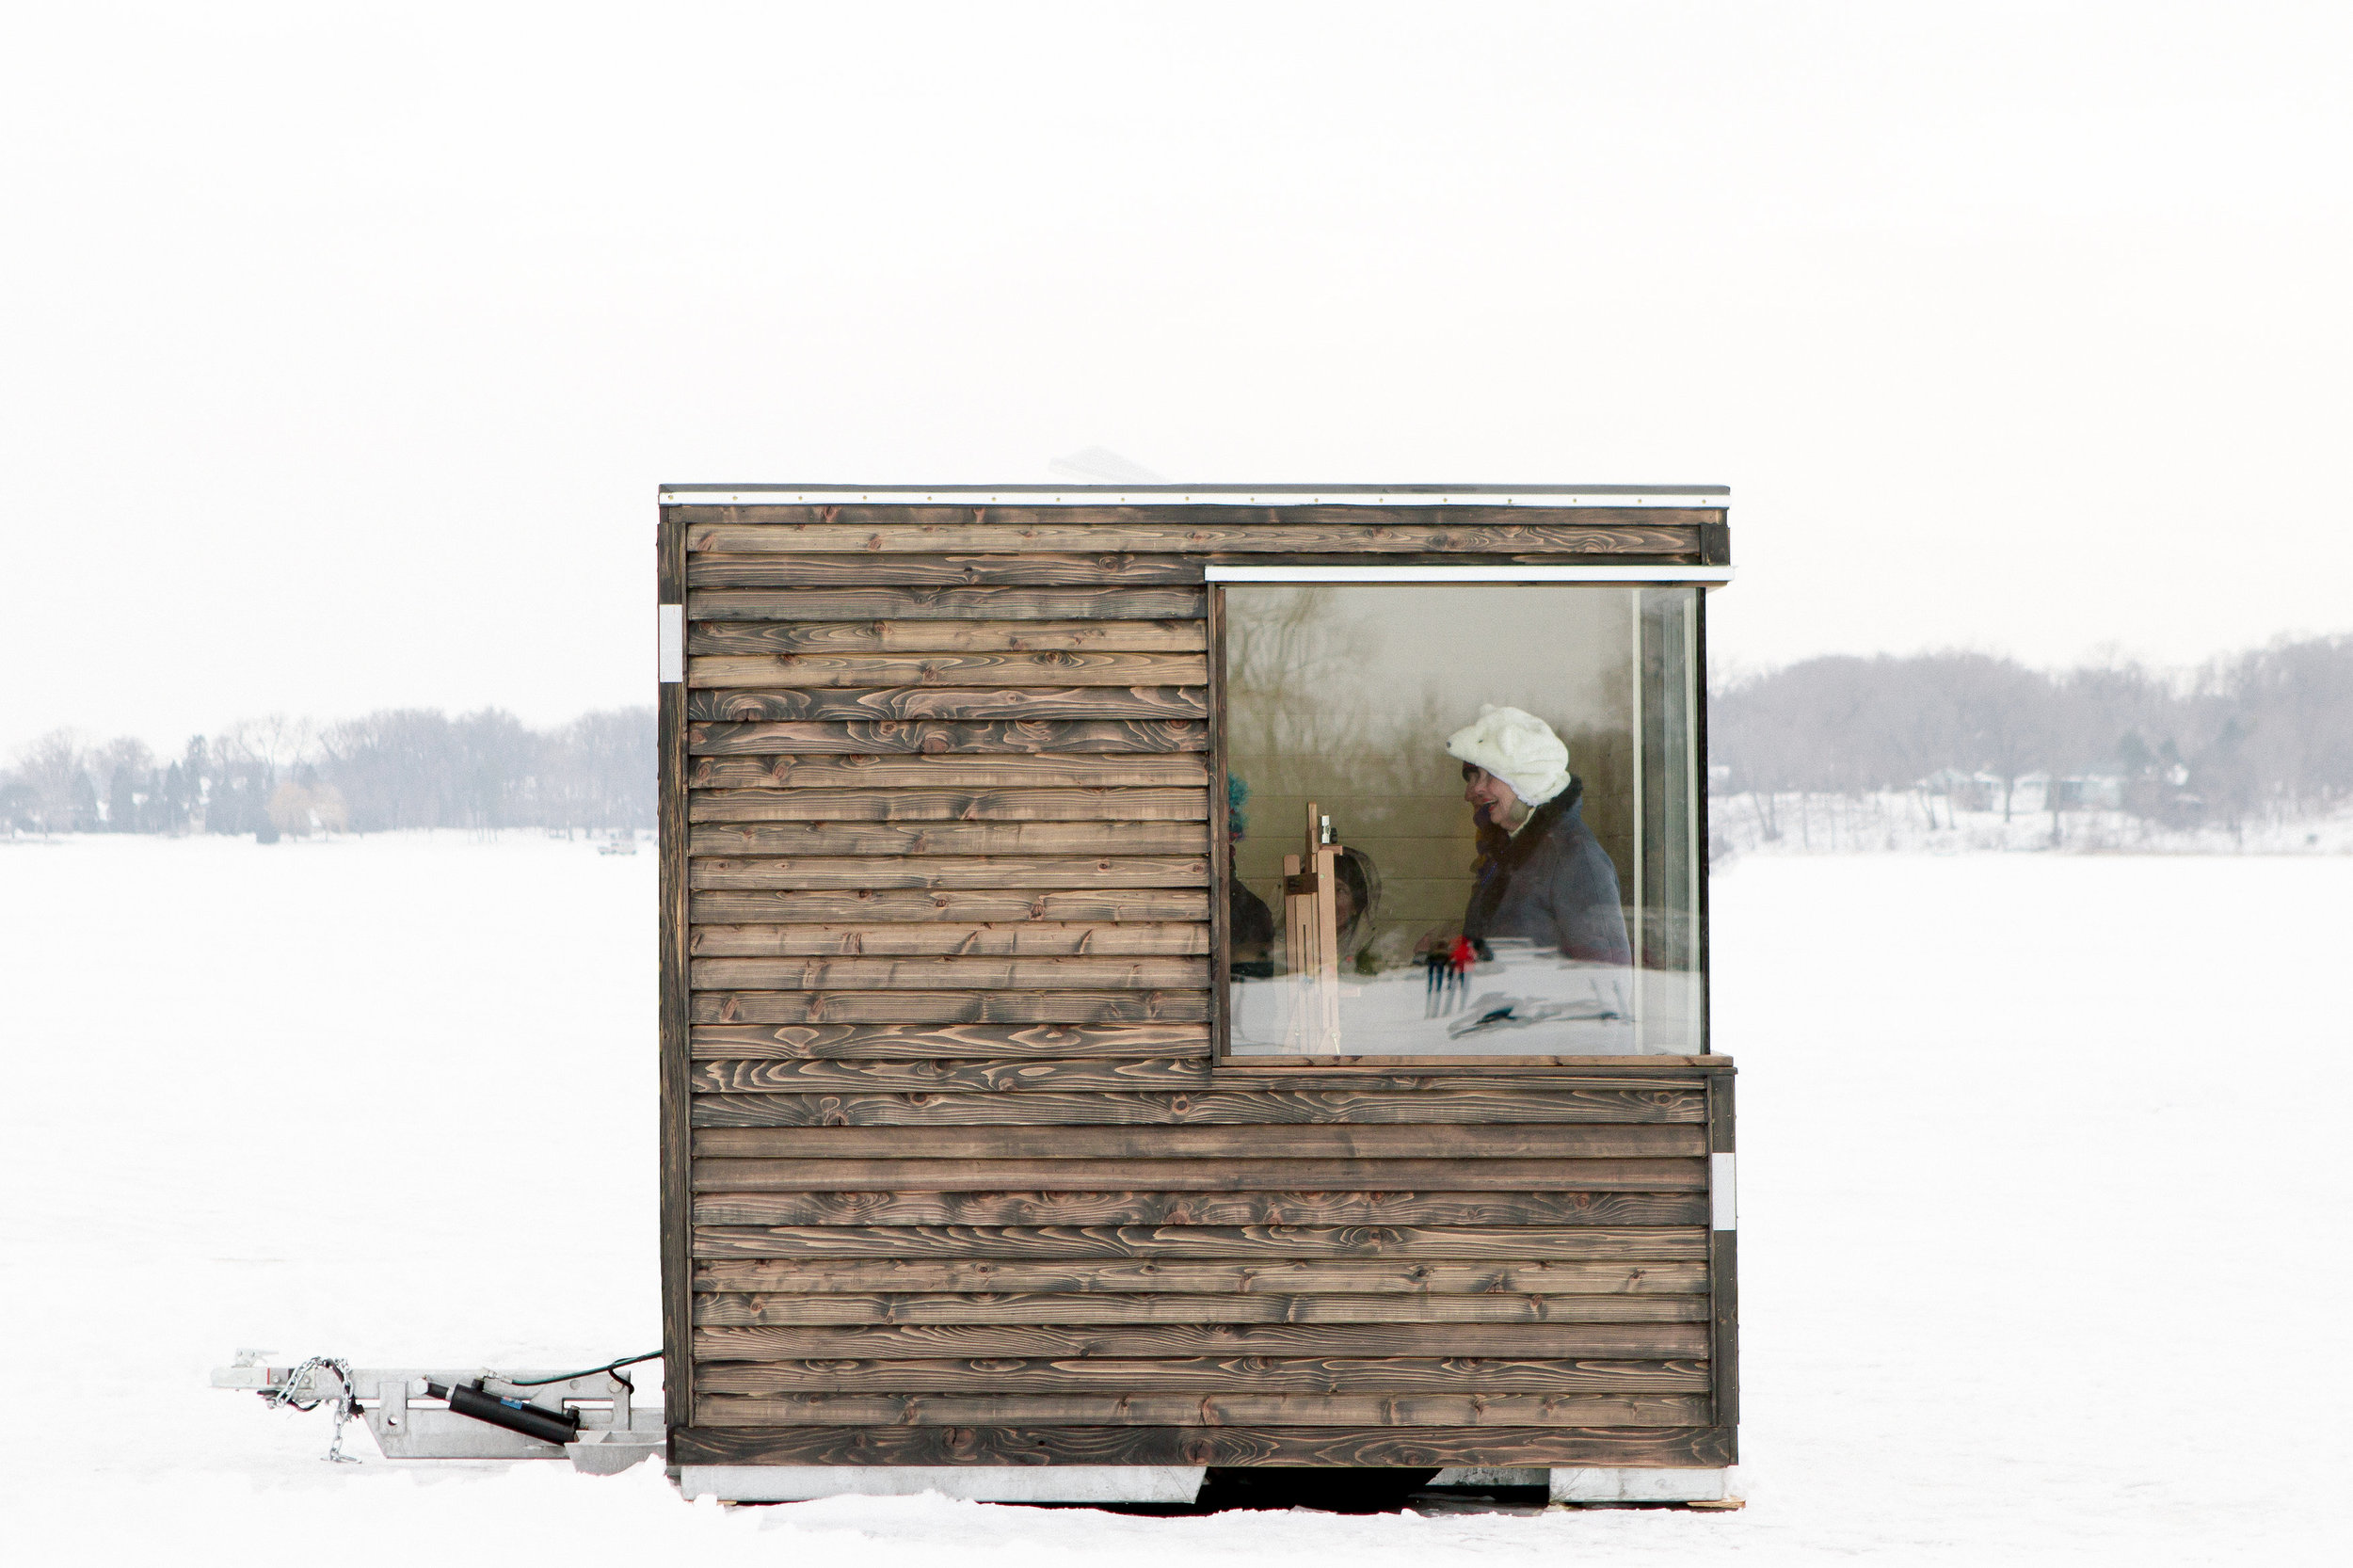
[(1224, 1062)]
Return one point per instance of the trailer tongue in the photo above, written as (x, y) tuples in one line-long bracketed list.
[(591, 1419)]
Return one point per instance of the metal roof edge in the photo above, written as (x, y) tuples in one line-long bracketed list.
[(1222, 494)]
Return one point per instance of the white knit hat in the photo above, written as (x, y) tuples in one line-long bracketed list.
[(1517, 748)]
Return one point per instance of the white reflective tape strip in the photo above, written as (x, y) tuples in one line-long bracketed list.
[(1723, 1193), (1677, 501), (1703, 576), (671, 636)]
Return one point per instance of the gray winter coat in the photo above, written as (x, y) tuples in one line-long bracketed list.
[(1551, 883)]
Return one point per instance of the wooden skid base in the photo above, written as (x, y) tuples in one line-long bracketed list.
[(1619, 1448), (1574, 1486)]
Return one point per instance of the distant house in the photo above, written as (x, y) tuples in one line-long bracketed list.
[(2088, 792), (2091, 792), (1964, 791)]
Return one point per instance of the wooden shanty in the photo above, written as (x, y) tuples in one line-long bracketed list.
[(991, 1139)]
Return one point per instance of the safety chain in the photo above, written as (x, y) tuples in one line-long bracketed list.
[(297, 1381)]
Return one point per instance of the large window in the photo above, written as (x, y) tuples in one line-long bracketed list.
[(1462, 820)]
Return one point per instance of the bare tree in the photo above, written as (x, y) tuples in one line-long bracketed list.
[(55, 772)]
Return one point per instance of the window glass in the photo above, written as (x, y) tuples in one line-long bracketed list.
[(1462, 820)]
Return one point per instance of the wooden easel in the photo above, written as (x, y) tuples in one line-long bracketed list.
[(1310, 912)]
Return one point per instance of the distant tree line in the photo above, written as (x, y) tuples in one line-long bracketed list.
[(396, 768), (2261, 733)]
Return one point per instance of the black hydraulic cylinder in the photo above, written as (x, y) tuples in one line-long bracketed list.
[(471, 1398)]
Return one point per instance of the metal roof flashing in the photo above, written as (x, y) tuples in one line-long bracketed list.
[(1676, 496)]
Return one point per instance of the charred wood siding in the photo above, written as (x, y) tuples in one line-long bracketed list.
[(951, 1177)]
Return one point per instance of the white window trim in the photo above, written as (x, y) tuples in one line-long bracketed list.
[(1709, 577)]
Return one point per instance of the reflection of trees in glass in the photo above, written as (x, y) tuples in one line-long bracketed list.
[(1668, 934), (1277, 637)]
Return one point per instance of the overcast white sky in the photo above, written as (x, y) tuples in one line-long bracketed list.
[(341, 348)]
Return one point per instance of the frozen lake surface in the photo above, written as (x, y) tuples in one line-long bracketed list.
[(2042, 1197)]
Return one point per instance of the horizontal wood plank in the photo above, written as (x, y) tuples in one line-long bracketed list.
[(982, 905), (861, 601), (1697, 1448), (1408, 1243), (806, 839), (1201, 1209), (719, 738), (1107, 972), (1020, 704), (952, 1007), (1022, 873), (1039, 939), (753, 1105), (935, 771), (1338, 1409), (1195, 1175), (1074, 669), (1320, 1141), (711, 569), (1184, 1276), (947, 805), (1493, 530), (808, 1075), (730, 1339), (745, 1043), (1207, 1108), (1686, 1314), (789, 639), (1207, 1375)]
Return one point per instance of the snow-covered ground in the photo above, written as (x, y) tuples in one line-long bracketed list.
[(2042, 1191), (1913, 822)]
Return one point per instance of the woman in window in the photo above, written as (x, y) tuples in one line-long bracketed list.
[(1541, 876)]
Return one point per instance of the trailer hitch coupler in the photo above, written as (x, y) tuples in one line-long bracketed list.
[(471, 1398)]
